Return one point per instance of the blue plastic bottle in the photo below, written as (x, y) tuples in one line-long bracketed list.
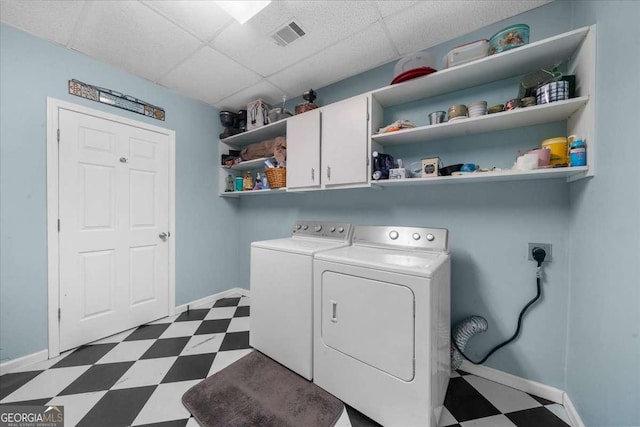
[(578, 153)]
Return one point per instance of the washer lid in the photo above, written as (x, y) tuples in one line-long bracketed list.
[(417, 263), (299, 245)]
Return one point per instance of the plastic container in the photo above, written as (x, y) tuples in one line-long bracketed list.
[(239, 183), (509, 38), (466, 53), (558, 147), (552, 92), (578, 153), (544, 155), (414, 61)]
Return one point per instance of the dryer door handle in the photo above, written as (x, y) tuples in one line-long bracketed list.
[(334, 311)]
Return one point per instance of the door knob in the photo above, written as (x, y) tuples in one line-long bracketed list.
[(163, 235), (123, 160)]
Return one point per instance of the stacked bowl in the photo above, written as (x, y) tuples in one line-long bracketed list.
[(477, 109), (457, 112)]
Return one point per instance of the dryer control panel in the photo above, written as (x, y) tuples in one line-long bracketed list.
[(415, 238), (323, 229)]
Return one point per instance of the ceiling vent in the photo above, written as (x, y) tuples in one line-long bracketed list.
[(288, 34)]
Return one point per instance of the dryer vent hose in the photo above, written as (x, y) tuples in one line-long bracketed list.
[(462, 332)]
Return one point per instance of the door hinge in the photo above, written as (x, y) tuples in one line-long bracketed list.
[(59, 314), (58, 136), (58, 225)]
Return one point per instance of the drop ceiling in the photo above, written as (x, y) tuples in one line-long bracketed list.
[(198, 50)]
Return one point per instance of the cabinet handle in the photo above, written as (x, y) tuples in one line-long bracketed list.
[(334, 311), (329, 172), (313, 174)]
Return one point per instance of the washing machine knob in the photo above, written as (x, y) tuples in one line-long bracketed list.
[(305, 227), (393, 235), (332, 229), (430, 237), (341, 230), (318, 228), (416, 236), (298, 226)]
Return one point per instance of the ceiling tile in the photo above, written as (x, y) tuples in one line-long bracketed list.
[(432, 22), (52, 20), (129, 35), (330, 65), (389, 7), (263, 90), (209, 76), (325, 23), (202, 18)]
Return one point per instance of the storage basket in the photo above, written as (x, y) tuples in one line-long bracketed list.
[(277, 177)]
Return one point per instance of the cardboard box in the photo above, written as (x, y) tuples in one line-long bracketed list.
[(399, 173), (257, 114)]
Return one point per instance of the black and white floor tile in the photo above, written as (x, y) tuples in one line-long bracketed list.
[(138, 377)]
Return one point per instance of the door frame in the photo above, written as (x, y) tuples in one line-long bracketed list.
[(53, 254)]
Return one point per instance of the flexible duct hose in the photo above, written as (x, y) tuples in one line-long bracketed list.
[(463, 331)]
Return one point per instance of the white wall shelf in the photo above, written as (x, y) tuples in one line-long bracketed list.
[(546, 113), (525, 59), (504, 175), (253, 193), (263, 133), (576, 49), (248, 164)]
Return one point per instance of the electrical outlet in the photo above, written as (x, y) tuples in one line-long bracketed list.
[(545, 246)]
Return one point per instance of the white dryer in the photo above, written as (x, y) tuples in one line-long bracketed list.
[(382, 323), (282, 292)]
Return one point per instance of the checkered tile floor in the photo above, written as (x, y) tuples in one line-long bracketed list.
[(138, 377)]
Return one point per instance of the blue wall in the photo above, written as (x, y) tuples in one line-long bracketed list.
[(32, 69), (490, 224), (603, 359), (583, 336)]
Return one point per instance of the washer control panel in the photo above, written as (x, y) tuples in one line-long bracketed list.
[(323, 229), (431, 239)]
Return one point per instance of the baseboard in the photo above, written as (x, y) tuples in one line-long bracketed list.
[(13, 364), (211, 298), (550, 393), (575, 419)]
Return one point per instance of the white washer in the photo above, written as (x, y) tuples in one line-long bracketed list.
[(382, 323), (282, 292)]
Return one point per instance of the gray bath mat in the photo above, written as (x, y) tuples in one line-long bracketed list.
[(255, 391)]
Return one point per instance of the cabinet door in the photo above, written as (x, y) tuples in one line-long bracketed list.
[(344, 142), (303, 150)]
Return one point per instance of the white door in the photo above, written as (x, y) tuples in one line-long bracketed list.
[(303, 150), (357, 319), (344, 142), (113, 210)]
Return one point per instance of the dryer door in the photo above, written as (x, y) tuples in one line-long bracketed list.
[(369, 320)]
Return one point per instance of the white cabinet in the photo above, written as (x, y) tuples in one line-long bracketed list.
[(329, 147), (344, 145), (303, 151)]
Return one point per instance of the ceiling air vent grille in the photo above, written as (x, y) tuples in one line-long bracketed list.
[(288, 34)]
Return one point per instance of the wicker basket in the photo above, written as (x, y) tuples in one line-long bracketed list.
[(277, 177)]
